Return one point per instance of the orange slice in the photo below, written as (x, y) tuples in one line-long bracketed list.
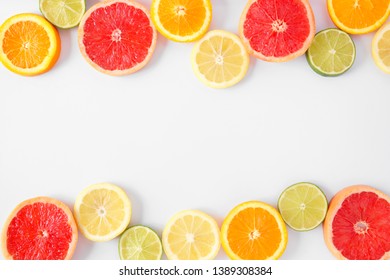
[(181, 20), (254, 230), (29, 44), (358, 16)]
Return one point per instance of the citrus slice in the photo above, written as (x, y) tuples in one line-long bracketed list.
[(381, 48), (182, 20), (358, 16), (331, 53), (140, 243), (191, 235), (303, 206), (219, 59), (40, 228), (63, 13), (277, 31), (102, 211), (117, 37), (254, 230), (357, 225), (29, 44)]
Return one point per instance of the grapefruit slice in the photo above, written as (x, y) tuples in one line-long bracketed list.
[(40, 228), (357, 226), (117, 37), (277, 30)]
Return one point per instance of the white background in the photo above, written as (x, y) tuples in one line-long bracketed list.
[(174, 144)]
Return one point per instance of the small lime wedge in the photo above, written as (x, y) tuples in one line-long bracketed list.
[(140, 243), (331, 53), (63, 13), (303, 206)]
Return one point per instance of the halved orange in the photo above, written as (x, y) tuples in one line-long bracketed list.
[(254, 230), (181, 20), (358, 16), (29, 44)]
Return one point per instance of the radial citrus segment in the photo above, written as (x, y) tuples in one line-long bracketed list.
[(191, 235), (102, 211), (277, 31), (29, 44), (40, 228), (117, 37), (381, 48), (357, 225), (182, 20), (358, 16), (254, 230)]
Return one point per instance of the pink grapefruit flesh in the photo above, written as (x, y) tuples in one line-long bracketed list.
[(117, 37), (40, 228), (277, 30), (357, 225)]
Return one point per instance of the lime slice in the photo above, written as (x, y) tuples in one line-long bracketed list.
[(303, 206), (331, 53), (63, 13), (140, 243)]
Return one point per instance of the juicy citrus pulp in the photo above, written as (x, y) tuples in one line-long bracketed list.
[(358, 16), (29, 44), (140, 243), (277, 30), (254, 230), (40, 228), (357, 225), (117, 37), (182, 20), (191, 235), (102, 211), (219, 59), (63, 13), (303, 206), (331, 53), (381, 48)]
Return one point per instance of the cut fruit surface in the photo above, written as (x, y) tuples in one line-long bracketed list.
[(140, 243), (381, 48), (191, 235), (63, 13), (40, 228), (254, 230), (303, 206), (102, 211), (117, 37), (182, 20), (331, 53), (277, 30), (358, 16), (357, 225), (219, 59), (29, 44)]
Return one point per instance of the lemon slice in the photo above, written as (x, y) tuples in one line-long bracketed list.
[(381, 48), (191, 235), (63, 13), (102, 211), (219, 59), (140, 243), (303, 206)]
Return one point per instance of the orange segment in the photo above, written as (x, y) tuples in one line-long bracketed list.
[(254, 231), (29, 44), (181, 20), (358, 16)]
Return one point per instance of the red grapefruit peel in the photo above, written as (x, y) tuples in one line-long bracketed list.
[(277, 30), (357, 225), (41, 233), (105, 39)]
